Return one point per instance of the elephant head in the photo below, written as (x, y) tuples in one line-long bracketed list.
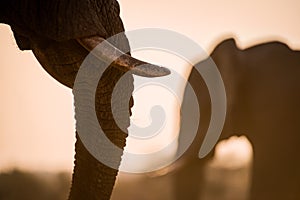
[(61, 34)]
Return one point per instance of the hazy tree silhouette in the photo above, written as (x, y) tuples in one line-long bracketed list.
[(17, 185)]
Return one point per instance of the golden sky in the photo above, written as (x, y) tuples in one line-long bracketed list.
[(36, 113)]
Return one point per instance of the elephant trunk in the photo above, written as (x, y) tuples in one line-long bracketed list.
[(92, 179)]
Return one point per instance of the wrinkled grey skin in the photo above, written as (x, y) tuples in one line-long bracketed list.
[(50, 28)]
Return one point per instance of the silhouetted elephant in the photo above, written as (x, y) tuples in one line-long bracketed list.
[(61, 33), (263, 91)]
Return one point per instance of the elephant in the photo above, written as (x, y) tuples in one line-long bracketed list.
[(263, 103), (261, 83), (61, 34)]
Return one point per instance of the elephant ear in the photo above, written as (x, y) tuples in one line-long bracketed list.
[(61, 20)]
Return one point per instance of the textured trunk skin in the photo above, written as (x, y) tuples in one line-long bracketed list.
[(91, 180)]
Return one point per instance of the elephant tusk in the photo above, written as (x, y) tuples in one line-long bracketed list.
[(109, 53)]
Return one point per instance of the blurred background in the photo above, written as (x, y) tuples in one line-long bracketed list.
[(37, 128)]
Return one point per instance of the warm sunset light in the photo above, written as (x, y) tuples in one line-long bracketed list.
[(37, 124), (37, 127)]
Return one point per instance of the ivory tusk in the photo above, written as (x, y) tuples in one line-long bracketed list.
[(109, 53)]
